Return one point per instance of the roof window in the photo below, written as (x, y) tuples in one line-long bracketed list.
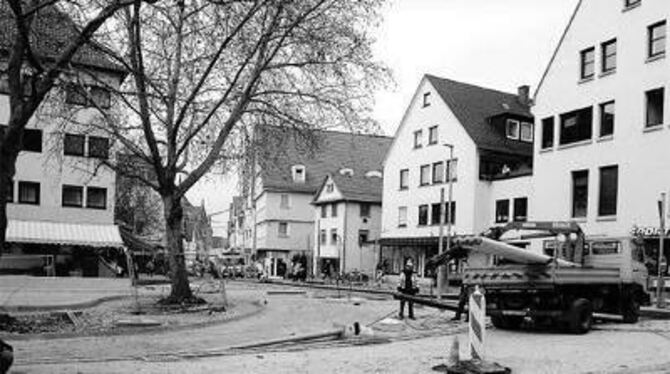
[(298, 173)]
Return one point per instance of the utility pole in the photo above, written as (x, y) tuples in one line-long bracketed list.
[(660, 297), (443, 274)]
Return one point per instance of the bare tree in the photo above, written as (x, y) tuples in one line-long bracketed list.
[(33, 61), (203, 73)]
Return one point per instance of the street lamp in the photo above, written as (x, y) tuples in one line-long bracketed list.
[(442, 274)]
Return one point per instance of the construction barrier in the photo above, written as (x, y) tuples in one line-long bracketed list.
[(477, 324)]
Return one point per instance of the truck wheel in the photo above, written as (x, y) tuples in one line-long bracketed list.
[(631, 310), (580, 316)]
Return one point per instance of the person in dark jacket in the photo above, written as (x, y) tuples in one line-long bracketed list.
[(6, 357), (407, 285)]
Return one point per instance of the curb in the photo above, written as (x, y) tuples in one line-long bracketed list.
[(655, 313), (60, 307)]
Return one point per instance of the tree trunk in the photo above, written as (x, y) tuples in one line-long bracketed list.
[(174, 215)]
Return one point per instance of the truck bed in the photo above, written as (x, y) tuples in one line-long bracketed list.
[(538, 276)]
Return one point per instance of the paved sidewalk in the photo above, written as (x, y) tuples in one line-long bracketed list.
[(25, 292)]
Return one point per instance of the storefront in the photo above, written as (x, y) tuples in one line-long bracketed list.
[(650, 237), (394, 252)]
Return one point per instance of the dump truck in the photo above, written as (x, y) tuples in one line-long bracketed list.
[(562, 283)]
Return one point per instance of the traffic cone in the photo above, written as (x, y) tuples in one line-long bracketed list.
[(454, 351)]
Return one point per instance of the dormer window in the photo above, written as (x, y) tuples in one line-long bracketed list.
[(347, 172), (512, 129), (526, 132), (298, 173)]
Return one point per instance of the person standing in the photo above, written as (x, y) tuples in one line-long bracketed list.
[(408, 286)]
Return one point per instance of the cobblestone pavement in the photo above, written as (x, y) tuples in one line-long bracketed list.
[(409, 346)]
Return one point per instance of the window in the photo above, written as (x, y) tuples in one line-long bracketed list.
[(609, 180), (32, 140), (576, 126), (298, 173), (502, 211), (426, 99), (656, 44), (548, 132), (580, 193), (404, 179), (282, 229), (423, 215), (432, 135), (73, 196), (88, 96), (438, 172), (435, 214), (631, 3), (425, 175), (96, 198), (587, 63), (607, 118), (512, 129), (333, 236), (29, 193), (324, 211), (284, 201), (73, 145), (323, 237), (363, 236), (655, 104), (417, 138), (402, 216), (452, 169), (526, 133), (333, 210), (330, 188), (98, 147), (608, 56), (521, 209), (365, 210), (449, 216)]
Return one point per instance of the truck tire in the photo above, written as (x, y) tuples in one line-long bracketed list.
[(631, 310), (506, 322), (580, 316)]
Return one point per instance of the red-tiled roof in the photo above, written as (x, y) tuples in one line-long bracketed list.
[(473, 106), (323, 153), (51, 32)]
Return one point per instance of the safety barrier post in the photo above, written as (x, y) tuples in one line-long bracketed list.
[(477, 324)]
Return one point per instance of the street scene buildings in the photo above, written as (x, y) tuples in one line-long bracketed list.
[(212, 186)]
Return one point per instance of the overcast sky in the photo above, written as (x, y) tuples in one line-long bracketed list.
[(500, 44)]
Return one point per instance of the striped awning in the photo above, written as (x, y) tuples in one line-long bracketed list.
[(43, 232)]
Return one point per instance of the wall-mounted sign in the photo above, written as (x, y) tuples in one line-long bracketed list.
[(648, 231)]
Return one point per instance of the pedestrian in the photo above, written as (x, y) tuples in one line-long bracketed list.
[(462, 301), (151, 268), (408, 286), (6, 357)]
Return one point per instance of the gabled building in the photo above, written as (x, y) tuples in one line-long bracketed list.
[(348, 215), (491, 133), (290, 165), (601, 157), (61, 207)]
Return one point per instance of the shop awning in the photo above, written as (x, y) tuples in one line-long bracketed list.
[(409, 242), (42, 232)]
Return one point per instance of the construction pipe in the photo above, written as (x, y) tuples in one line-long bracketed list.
[(424, 301), (329, 334)]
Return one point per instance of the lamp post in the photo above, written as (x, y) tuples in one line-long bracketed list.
[(442, 273)]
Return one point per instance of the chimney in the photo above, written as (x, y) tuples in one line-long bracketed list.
[(524, 94)]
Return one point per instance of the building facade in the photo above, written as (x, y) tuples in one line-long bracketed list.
[(348, 221), (602, 148), (61, 207), (491, 133), (289, 167)]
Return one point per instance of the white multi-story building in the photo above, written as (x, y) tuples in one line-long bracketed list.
[(61, 207), (601, 157), (492, 135)]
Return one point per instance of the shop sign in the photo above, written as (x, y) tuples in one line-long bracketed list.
[(648, 231)]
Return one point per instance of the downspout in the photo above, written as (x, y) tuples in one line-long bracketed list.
[(344, 239)]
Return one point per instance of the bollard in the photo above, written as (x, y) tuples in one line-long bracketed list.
[(477, 325)]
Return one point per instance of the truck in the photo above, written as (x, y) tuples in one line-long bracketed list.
[(562, 284)]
